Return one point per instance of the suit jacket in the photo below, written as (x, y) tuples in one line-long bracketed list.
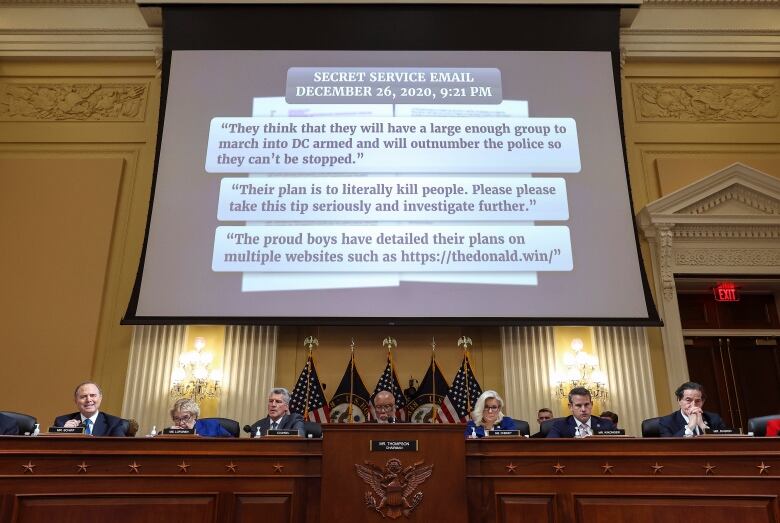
[(506, 423), (290, 421), (567, 427), (105, 425), (8, 426), (211, 428), (673, 425)]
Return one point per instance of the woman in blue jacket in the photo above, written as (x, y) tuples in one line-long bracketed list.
[(185, 413), (487, 415)]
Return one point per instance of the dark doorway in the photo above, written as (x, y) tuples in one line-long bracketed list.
[(740, 374)]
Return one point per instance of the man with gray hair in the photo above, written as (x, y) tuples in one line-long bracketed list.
[(279, 415), (88, 397)]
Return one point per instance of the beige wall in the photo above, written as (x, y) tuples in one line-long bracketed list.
[(76, 152)]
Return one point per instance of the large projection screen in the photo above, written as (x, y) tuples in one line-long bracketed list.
[(388, 183)]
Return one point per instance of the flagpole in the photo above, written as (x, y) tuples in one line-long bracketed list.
[(466, 343), (433, 375), (390, 342), (351, 380), (309, 342)]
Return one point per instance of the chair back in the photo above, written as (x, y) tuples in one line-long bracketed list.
[(228, 424), (523, 427), (312, 429), (547, 425), (27, 423), (758, 425), (651, 428)]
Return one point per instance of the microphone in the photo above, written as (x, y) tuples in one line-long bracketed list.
[(247, 429), (391, 420)]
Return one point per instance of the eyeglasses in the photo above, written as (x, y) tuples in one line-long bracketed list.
[(384, 407), (182, 419), (492, 407)]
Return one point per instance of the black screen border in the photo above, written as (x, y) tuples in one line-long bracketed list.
[(386, 27)]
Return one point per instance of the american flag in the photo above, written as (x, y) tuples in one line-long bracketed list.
[(389, 381), (308, 398), (461, 397)]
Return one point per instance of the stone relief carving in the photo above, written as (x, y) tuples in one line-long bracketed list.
[(728, 257), (83, 102), (736, 193), (707, 102)]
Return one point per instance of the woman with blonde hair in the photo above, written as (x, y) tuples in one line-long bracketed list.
[(185, 413), (487, 415)]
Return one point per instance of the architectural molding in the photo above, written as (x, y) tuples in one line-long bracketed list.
[(707, 102), (726, 223), (727, 257), (73, 101), (80, 44)]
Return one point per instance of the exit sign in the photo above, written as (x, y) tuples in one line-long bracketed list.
[(726, 291)]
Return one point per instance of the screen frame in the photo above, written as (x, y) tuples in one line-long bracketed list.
[(373, 27)]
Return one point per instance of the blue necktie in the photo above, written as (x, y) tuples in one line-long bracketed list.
[(87, 426)]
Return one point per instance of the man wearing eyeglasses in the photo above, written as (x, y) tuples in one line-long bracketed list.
[(580, 424), (690, 420), (384, 406)]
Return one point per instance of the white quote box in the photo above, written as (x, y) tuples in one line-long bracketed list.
[(419, 248), (360, 198), (398, 145)]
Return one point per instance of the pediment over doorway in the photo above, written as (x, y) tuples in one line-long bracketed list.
[(737, 193)]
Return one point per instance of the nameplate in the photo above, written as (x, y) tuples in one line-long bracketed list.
[(179, 432), (609, 432), (282, 432), (722, 432), (66, 430), (499, 432), (394, 445)]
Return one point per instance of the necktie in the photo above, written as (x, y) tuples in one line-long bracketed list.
[(87, 426), (584, 432), (274, 425)]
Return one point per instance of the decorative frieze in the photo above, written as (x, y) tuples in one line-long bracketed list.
[(728, 232), (728, 257), (73, 101), (697, 102)]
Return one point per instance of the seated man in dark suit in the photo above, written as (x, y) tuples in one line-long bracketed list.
[(384, 406), (690, 420), (8, 426), (580, 424), (88, 397), (279, 415)]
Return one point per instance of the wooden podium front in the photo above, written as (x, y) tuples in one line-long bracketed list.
[(361, 483)]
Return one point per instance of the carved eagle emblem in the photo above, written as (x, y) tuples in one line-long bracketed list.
[(394, 487)]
